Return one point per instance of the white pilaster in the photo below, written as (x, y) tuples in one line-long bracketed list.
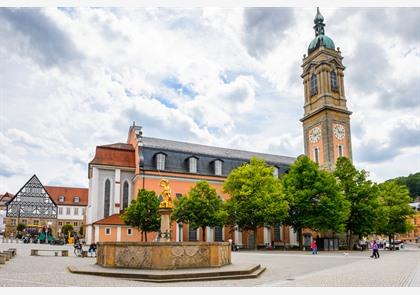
[(96, 230), (117, 192), (118, 233), (209, 237), (267, 235)]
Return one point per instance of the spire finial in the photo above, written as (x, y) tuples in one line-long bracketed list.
[(319, 23)]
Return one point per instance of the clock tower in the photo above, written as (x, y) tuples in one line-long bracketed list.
[(326, 120)]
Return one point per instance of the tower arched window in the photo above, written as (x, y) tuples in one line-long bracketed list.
[(314, 85), (107, 197), (334, 85), (125, 195), (316, 155), (340, 150)]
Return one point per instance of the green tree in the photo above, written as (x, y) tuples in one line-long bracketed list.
[(315, 199), (143, 213), (81, 230), (201, 207), (363, 195), (396, 209), (412, 182), (67, 229), (257, 197)]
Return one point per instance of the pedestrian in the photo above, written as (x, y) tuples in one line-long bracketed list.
[(375, 250), (314, 247)]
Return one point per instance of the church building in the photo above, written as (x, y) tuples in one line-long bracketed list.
[(119, 170)]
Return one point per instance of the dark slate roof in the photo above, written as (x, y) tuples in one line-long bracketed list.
[(217, 152)]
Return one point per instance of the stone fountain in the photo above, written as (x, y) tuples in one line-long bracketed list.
[(164, 254)]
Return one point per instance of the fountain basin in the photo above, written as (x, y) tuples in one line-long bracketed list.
[(163, 255)]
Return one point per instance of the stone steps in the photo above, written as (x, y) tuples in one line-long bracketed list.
[(179, 276)]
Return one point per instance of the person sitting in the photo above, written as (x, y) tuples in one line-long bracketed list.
[(92, 249)]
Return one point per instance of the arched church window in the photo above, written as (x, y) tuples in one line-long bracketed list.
[(125, 195), (314, 85), (340, 150), (316, 155), (334, 85), (160, 161), (107, 197)]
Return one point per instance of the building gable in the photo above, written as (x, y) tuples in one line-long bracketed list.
[(32, 200)]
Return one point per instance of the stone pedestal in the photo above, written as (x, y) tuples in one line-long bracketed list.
[(165, 224)]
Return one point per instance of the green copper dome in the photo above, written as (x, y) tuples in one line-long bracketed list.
[(320, 38)]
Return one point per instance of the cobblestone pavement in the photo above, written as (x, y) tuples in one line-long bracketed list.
[(399, 268)]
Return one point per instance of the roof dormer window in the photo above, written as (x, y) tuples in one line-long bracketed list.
[(160, 161), (275, 171), (218, 167), (61, 199), (192, 164), (76, 199)]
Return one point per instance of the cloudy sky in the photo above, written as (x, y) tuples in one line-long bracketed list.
[(72, 79)]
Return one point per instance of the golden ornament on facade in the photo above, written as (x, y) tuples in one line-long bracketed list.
[(166, 195)]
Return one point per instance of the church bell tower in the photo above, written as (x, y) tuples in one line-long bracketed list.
[(326, 120)]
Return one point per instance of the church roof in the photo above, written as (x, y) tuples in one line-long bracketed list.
[(116, 154), (217, 152), (69, 194)]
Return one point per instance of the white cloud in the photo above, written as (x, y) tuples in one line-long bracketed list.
[(187, 74)]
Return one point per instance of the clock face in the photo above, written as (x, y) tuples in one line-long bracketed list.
[(339, 131), (315, 135)]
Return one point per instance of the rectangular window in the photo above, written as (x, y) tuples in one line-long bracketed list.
[(83, 211), (160, 162), (108, 231), (277, 232), (61, 199), (60, 223), (75, 223), (76, 199), (60, 210), (218, 234), (24, 221), (129, 231), (192, 234), (68, 211), (218, 167), (67, 222), (193, 165), (76, 211), (13, 221), (178, 196), (36, 222)]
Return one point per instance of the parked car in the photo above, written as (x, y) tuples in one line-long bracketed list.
[(398, 245)]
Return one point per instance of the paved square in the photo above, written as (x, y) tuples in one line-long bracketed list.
[(399, 268)]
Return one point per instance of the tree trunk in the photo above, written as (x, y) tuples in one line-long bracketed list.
[(349, 239), (203, 228), (255, 238), (389, 240), (300, 238), (145, 236)]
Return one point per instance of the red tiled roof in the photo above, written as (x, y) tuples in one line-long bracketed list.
[(114, 219), (69, 193), (117, 154)]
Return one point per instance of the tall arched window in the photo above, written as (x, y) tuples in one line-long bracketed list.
[(340, 150), (125, 195), (107, 197), (314, 85), (334, 85), (316, 155)]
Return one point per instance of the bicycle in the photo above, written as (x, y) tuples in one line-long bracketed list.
[(78, 250)]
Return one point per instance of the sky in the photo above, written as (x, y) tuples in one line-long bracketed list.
[(75, 78)]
